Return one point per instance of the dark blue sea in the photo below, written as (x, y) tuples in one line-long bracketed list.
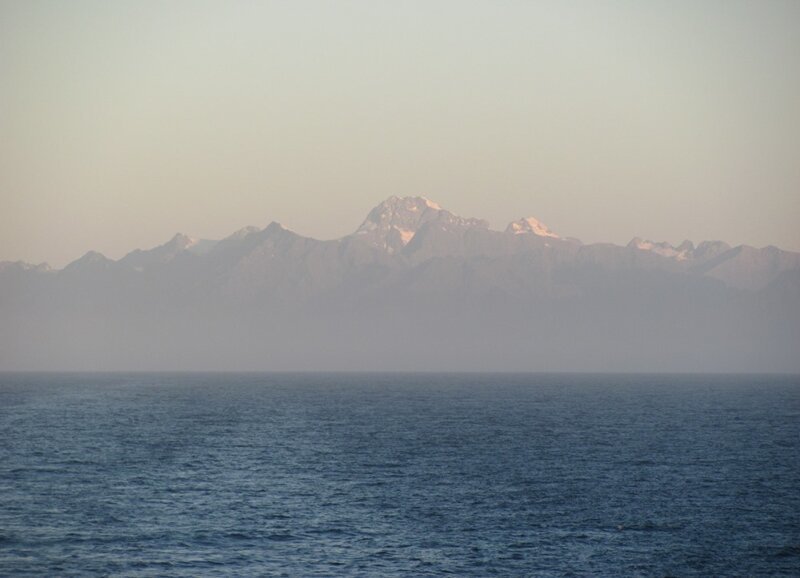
[(399, 475)]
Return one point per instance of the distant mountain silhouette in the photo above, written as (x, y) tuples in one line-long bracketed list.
[(415, 287)]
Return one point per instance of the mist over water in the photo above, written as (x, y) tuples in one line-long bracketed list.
[(399, 474)]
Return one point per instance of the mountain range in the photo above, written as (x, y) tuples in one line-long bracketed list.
[(415, 287)]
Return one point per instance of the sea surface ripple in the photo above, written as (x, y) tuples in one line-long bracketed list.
[(399, 475)]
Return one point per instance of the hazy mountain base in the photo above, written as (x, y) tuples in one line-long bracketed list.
[(457, 296), (608, 321)]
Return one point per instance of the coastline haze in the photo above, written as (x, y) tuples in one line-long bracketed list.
[(123, 124)]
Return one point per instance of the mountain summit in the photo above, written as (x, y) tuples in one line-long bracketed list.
[(394, 223), (530, 225)]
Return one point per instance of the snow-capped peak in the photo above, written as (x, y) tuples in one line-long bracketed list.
[(402, 213), (181, 241), (395, 209), (392, 224), (530, 225), (395, 222), (194, 245), (242, 233), (681, 253), (431, 204)]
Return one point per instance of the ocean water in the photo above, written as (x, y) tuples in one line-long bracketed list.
[(399, 475)]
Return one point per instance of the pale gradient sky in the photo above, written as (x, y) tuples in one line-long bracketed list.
[(122, 123)]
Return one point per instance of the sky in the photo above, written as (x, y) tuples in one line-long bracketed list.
[(122, 123)]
